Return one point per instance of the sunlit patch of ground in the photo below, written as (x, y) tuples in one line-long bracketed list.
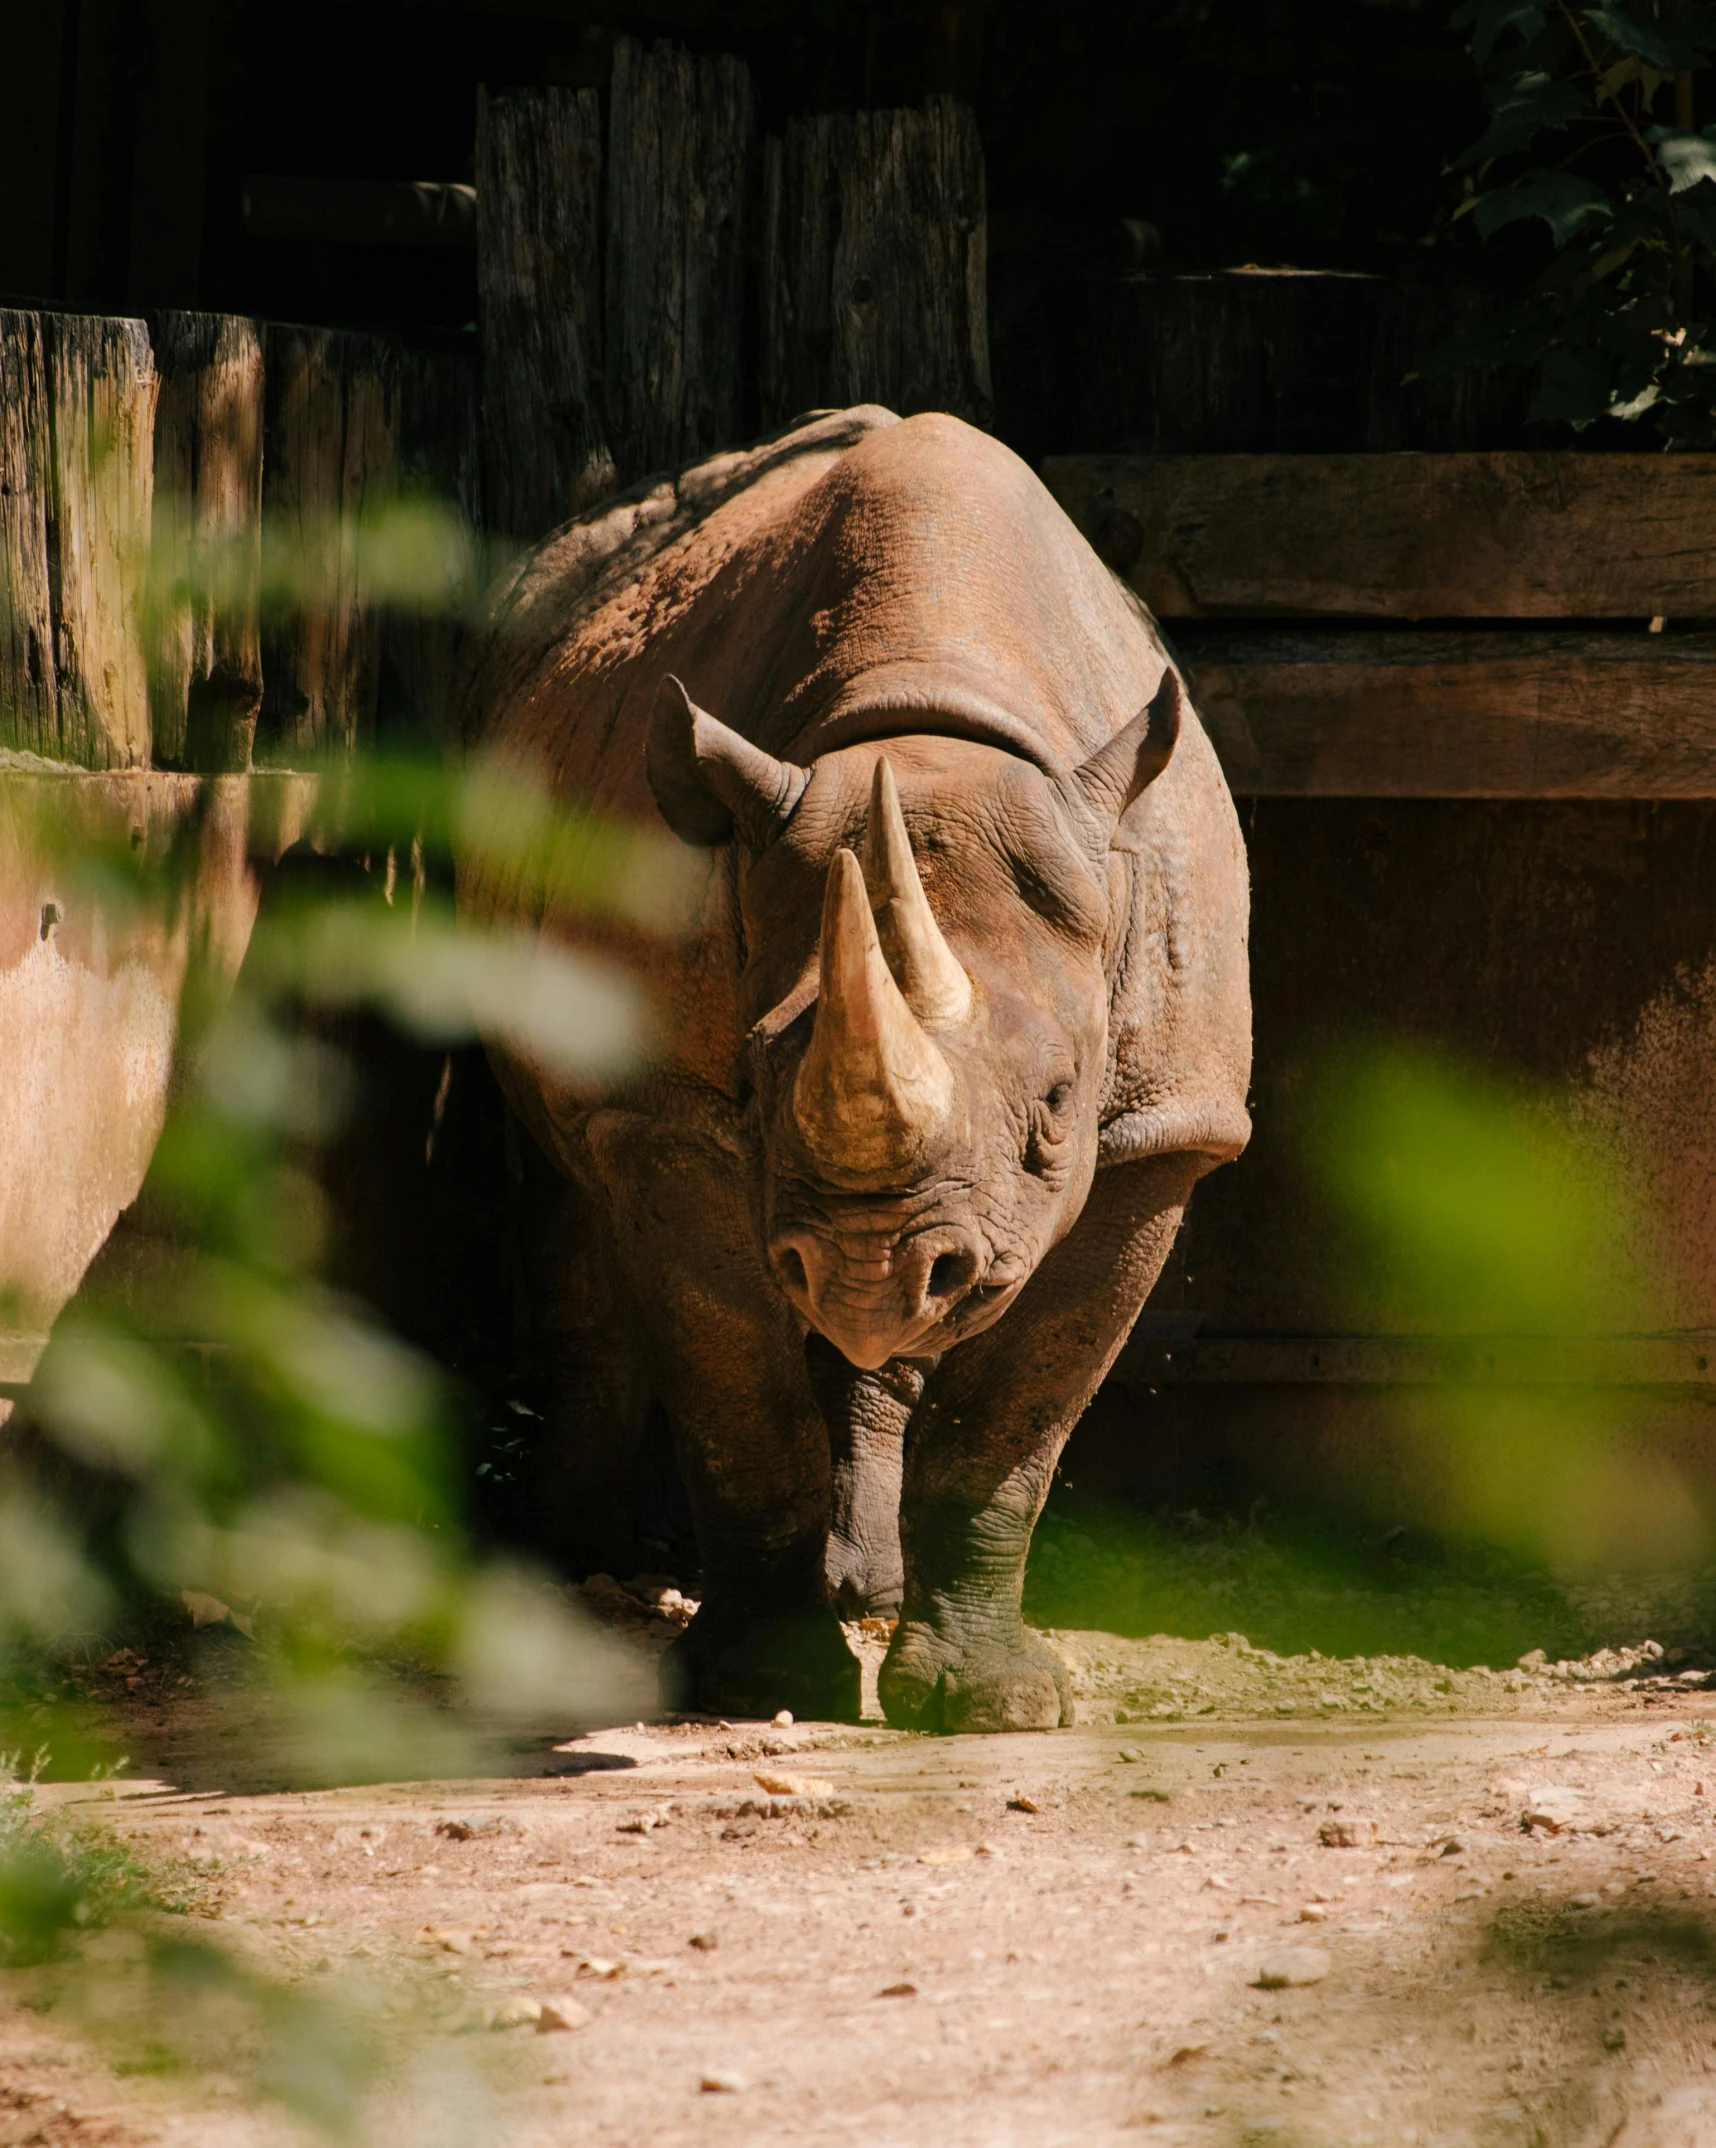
[(1510, 1907)]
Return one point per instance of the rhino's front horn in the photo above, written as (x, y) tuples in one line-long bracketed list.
[(873, 1094), (928, 972)]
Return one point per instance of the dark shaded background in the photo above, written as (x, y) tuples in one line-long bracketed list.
[(1268, 131)]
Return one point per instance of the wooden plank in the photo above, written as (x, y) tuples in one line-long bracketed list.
[(1366, 714), (29, 694), (101, 390), (874, 264), (205, 671), (329, 461), (1682, 1360), (546, 453), (440, 463), (1494, 536), (681, 143)]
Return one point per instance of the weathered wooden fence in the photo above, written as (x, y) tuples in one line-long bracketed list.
[(184, 499), (1429, 625), (189, 512)]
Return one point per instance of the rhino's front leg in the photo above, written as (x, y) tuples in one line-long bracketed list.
[(866, 1414), (726, 1358), (982, 1450)]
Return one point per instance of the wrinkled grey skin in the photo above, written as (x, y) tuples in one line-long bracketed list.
[(871, 1360)]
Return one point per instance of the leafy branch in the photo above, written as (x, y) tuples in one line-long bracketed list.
[(1592, 136)]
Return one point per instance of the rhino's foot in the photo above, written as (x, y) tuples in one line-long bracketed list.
[(756, 1667), (933, 1681)]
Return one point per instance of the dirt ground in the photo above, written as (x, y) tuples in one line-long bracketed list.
[(1349, 1902)]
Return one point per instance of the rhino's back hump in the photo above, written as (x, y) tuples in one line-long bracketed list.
[(859, 576)]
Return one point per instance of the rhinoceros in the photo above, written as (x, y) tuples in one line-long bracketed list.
[(963, 1017)]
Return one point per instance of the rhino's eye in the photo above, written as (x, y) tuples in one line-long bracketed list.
[(1046, 1146)]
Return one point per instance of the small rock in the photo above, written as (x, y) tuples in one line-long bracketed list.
[(1156, 1797), (898, 1991), (1023, 1804), (1313, 1913), (722, 2081), (560, 2012), (782, 1720), (1131, 1752), (450, 1938), (517, 2013), (704, 1942), (794, 1785), (1453, 1847), (603, 1971), (947, 1853), (1614, 2037), (1292, 1965), (467, 1830), (1339, 1835)]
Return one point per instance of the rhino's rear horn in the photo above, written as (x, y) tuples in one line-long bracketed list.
[(873, 1095), (926, 969), (1117, 773), (708, 780)]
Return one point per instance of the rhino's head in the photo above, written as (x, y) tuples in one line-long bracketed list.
[(926, 923)]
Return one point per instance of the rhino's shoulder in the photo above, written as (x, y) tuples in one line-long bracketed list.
[(544, 598), (1180, 1000)]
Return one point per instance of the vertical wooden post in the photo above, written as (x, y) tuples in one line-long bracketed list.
[(874, 278), (681, 139), (439, 462), (545, 440), (328, 461), (28, 689), (205, 669), (101, 386)]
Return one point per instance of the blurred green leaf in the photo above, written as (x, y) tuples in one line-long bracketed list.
[(1529, 106), (1647, 41), (1490, 21), (1565, 203)]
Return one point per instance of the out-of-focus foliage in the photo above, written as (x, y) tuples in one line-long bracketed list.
[(1592, 142), (218, 1435), (59, 1878), (237, 1428), (1475, 1203)]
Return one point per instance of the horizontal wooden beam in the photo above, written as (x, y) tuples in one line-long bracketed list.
[(1326, 713), (1497, 536), (1682, 1360)]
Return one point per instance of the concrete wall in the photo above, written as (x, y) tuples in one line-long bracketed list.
[(92, 962)]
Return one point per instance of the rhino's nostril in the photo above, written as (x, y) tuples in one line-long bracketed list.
[(951, 1275)]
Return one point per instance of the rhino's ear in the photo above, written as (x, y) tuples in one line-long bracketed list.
[(1115, 774), (708, 781)]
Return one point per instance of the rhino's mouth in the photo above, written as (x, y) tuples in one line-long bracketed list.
[(882, 1293)]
